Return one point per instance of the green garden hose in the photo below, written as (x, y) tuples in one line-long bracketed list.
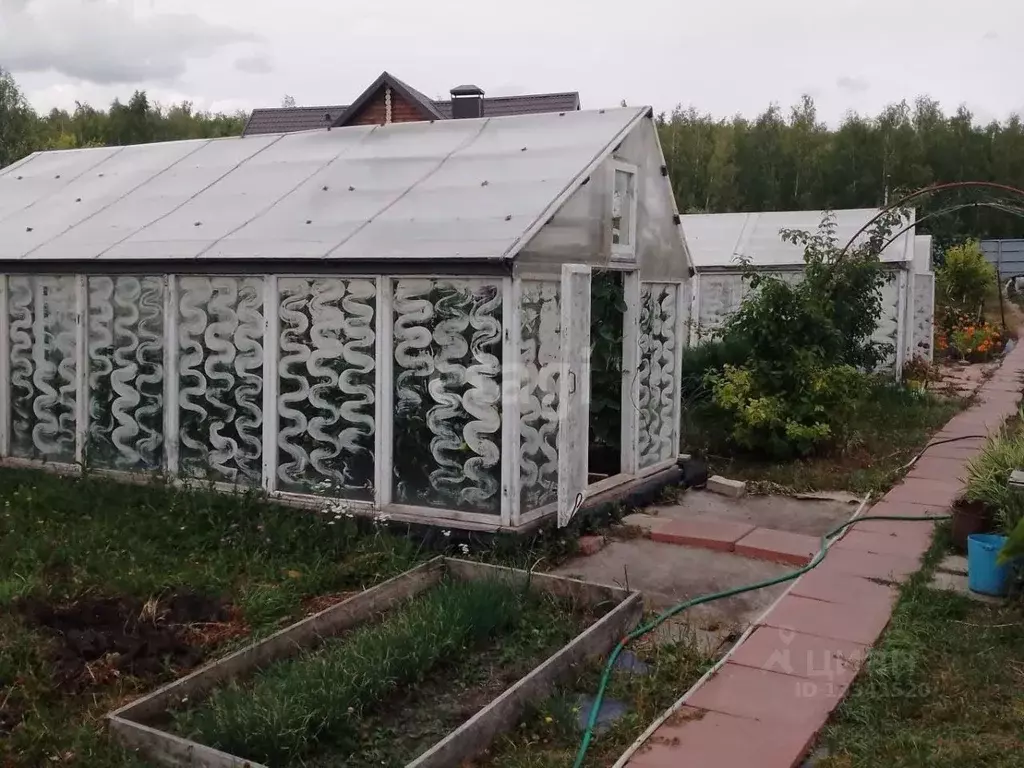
[(588, 734)]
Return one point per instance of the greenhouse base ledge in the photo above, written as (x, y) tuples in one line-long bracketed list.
[(632, 490)]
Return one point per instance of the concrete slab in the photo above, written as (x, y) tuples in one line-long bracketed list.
[(813, 517), (954, 582), (668, 574), (956, 564)]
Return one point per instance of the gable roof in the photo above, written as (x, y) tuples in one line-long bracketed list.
[(475, 189), (290, 119), (721, 239), (425, 105)]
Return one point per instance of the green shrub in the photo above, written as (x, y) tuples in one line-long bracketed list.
[(796, 422), (1014, 546), (704, 358), (965, 281), (808, 347), (988, 475)]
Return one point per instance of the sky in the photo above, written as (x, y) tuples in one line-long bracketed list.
[(723, 57)]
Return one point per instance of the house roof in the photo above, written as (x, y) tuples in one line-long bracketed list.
[(719, 240), (476, 189), (290, 119), (410, 94)]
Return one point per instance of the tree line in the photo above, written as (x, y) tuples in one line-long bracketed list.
[(780, 160), (793, 161), (139, 121)]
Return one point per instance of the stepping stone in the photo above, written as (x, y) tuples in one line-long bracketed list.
[(954, 582), (629, 662), (611, 710), (955, 564)]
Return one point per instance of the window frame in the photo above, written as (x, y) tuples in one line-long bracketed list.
[(620, 251)]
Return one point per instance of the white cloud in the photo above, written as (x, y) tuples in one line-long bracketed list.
[(256, 64), (727, 57), (853, 84), (106, 41)]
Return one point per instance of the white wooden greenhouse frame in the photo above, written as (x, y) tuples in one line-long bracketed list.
[(717, 244), (308, 303)]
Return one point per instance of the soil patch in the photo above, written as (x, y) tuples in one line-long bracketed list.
[(100, 639), (10, 714)]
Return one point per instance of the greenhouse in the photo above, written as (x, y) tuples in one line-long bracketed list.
[(395, 316), (719, 243)]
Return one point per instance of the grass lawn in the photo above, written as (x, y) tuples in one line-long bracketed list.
[(891, 427), (107, 590), (943, 689)]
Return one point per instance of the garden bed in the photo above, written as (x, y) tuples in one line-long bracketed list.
[(520, 639)]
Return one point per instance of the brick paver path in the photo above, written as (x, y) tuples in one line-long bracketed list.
[(767, 703)]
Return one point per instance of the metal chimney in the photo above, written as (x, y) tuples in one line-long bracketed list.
[(467, 101)]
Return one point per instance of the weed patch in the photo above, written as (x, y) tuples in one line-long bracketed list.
[(550, 735)]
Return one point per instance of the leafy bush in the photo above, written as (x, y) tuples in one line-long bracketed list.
[(989, 472), (704, 358), (809, 346), (964, 282), (1014, 546)]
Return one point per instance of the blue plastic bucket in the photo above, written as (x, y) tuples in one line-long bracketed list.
[(983, 575)]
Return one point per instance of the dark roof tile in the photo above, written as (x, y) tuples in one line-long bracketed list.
[(503, 106), (291, 119)]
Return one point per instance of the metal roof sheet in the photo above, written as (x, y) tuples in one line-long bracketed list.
[(721, 239), (443, 190)]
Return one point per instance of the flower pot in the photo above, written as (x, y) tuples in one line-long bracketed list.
[(969, 518), (984, 575)]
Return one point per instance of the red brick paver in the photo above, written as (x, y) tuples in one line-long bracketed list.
[(883, 544), (770, 697), (937, 468), (696, 738), (858, 562), (927, 493), (793, 653), (720, 535), (778, 546), (839, 622), (832, 587)]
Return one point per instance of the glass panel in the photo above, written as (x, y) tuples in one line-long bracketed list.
[(220, 371), (540, 354), (448, 394), (42, 356), (658, 350), (622, 208), (126, 372), (326, 397)]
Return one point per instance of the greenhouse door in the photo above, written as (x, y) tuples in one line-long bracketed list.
[(574, 391)]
